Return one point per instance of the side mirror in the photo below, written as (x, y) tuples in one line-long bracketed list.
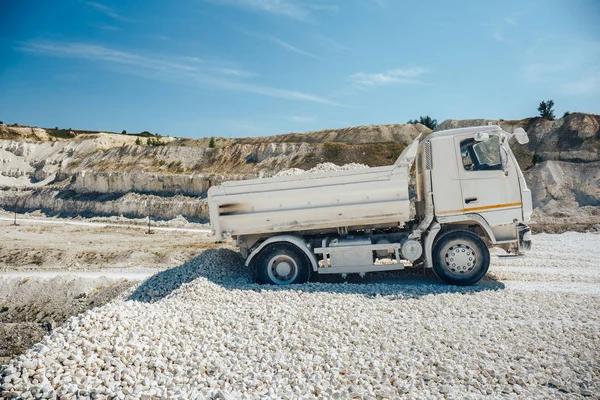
[(521, 136), (481, 136)]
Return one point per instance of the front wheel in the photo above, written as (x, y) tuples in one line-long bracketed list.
[(282, 264), (460, 257)]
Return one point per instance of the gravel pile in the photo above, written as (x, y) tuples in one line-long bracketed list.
[(203, 330), (324, 167)]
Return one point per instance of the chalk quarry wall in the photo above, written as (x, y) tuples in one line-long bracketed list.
[(108, 174)]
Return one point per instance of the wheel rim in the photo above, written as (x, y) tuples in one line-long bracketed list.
[(460, 258), (282, 269)]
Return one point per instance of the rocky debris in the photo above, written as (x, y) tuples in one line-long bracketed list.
[(204, 331), (220, 266), (178, 222), (324, 167), (565, 192)]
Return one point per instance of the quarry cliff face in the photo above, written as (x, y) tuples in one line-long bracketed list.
[(95, 173)]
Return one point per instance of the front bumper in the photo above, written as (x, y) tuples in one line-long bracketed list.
[(524, 237)]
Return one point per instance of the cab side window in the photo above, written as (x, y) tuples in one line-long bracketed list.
[(481, 156)]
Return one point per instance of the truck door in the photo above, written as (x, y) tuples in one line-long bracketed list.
[(486, 188)]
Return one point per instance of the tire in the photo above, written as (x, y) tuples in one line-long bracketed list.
[(460, 257), (282, 264)]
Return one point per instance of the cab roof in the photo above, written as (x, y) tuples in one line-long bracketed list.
[(460, 131)]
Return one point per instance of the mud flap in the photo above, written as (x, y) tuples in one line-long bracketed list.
[(524, 237)]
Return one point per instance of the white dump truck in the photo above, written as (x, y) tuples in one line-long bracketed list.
[(470, 196)]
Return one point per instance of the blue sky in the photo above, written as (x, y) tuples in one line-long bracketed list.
[(238, 68)]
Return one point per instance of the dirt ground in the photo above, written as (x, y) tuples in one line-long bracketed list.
[(37, 246), (52, 269)]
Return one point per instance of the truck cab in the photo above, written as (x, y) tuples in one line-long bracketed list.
[(468, 179)]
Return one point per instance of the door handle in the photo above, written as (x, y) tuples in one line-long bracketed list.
[(471, 200)]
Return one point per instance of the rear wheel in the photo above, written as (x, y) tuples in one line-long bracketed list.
[(282, 264), (460, 257)]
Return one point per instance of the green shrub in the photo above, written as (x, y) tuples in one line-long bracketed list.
[(333, 152), (425, 120), (155, 142), (546, 110), (61, 133), (212, 143)]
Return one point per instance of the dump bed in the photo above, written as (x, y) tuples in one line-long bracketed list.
[(309, 202)]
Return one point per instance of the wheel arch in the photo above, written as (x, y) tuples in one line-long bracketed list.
[(466, 221), (443, 225), (297, 241)]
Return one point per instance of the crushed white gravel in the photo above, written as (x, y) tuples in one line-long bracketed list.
[(202, 330), (324, 167)]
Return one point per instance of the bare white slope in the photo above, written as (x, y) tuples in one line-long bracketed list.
[(23, 163)]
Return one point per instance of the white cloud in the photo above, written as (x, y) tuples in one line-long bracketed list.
[(106, 27), (95, 52), (281, 43), (511, 20), (330, 43), (302, 119), (499, 37), (285, 8), (235, 72), (393, 76), (293, 49), (194, 71), (279, 93), (108, 11)]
